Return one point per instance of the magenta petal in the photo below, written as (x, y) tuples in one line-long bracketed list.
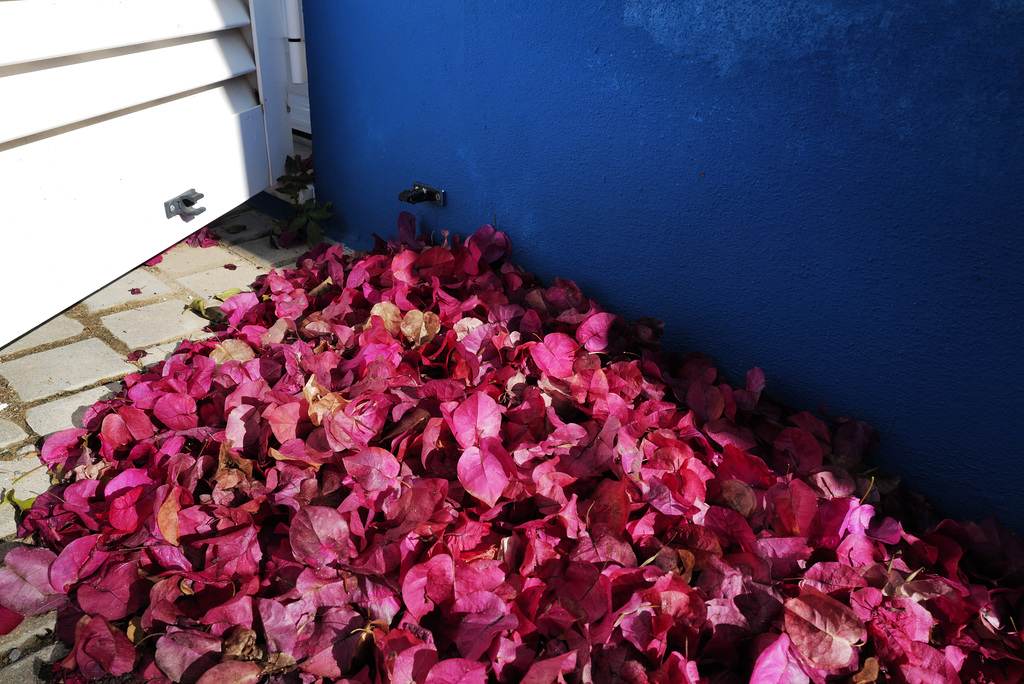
[(9, 620), (485, 616), (185, 655), (79, 559), (777, 664), (479, 416), (373, 468), (555, 355), (25, 581), (320, 535), (482, 474), (595, 333), (232, 672), (103, 649), (457, 671), (176, 411)]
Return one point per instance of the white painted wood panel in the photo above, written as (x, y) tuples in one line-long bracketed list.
[(109, 108), (67, 94), (32, 30), (78, 230)]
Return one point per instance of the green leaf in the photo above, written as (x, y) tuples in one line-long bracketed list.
[(20, 505), (198, 306), (290, 189), (228, 294), (314, 234)]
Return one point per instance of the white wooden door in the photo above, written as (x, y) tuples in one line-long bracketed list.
[(109, 108)]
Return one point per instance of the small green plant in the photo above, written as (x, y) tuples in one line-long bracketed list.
[(307, 212)]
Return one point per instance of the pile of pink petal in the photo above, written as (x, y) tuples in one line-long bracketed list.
[(424, 465)]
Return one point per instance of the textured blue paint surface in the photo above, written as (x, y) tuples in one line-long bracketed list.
[(830, 190)]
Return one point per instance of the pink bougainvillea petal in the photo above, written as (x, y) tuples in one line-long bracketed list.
[(232, 672), (481, 472), (25, 582), (484, 617), (457, 671), (320, 535), (177, 411), (9, 620), (479, 416), (555, 354), (102, 649), (778, 665), (823, 630)]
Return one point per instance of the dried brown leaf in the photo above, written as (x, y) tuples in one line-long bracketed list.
[(420, 328), (390, 314), (232, 350), (868, 673)]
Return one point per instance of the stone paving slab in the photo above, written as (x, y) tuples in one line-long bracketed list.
[(262, 250), (150, 325), (70, 367), (54, 330), (29, 636), (26, 477), (65, 412), (215, 281), (27, 669), (161, 352), (10, 433), (253, 224), (183, 259), (120, 291)]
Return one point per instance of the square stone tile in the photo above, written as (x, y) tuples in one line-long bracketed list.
[(10, 433), (27, 477), (54, 330), (66, 412), (182, 259), (70, 367), (154, 324), (160, 352), (28, 669), (253, 224), (217, 280), (261, 252), (120, 291), (28, 646)]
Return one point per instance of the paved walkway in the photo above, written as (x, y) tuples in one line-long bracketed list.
[(50, 376)]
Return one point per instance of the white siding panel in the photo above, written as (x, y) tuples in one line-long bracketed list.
[(55, 97), (78, 231), (110, 108), (32, 30)]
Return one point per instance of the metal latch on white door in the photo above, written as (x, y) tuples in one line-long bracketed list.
[(184, 205)]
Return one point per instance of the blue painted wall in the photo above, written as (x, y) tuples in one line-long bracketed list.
[(829, 189)]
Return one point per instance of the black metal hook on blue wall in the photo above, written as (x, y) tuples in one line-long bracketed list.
[(422, 193)]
